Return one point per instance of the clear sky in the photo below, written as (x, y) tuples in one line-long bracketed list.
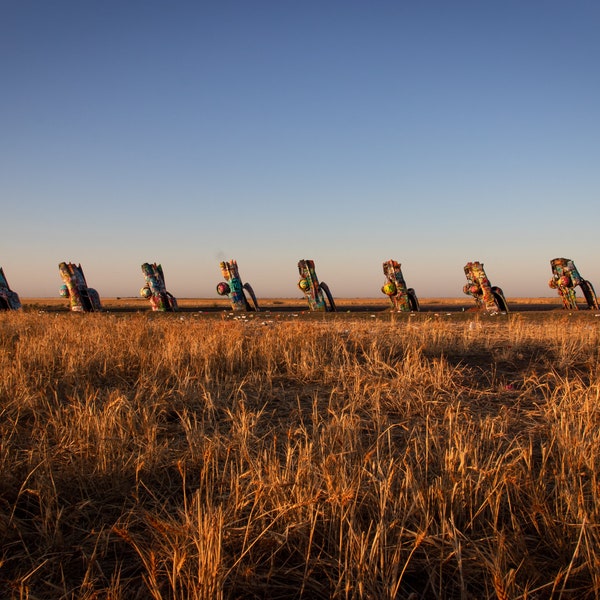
[(349, 132)]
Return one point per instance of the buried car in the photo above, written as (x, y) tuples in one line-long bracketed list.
[(9, 300), (155, 289), (402, 298), (318, 294), (233, 288), (81, 297), (565, 278), (486, 296)]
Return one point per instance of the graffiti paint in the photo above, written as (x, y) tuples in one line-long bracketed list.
[(317, 294), (402, 298), (487, 297), (233, 288), (81, 297), (565, 278), (155, 289), (9, 300)]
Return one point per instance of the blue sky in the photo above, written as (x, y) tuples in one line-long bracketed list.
[(349, 132)]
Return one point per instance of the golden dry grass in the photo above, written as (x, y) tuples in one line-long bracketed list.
[(187, 456)]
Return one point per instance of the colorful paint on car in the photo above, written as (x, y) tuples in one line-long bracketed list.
[(565, 278), (317, 294), (402, 298), (233, 288), (9, 300), (155, 289), (81, 297), (487, 297)]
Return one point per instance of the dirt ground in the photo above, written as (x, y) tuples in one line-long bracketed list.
[(353, 305)]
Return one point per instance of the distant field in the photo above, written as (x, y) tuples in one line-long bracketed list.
[(276, 304)]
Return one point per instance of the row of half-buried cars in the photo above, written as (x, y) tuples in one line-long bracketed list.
[(565, 278)]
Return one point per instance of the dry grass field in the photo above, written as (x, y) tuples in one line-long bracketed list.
[(202, 456)]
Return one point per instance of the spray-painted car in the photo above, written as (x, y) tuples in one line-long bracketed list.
[(565, 278), (9, 300), (488, 297), (401, 297), (155, 289), (81, 297), (233, 288), (318, 294)]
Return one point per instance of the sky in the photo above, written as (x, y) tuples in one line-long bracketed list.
[(344, 131)]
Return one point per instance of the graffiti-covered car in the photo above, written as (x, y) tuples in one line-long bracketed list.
[(9, 300), (234, 289), (565, 278), (488, 297), (155, 289), (317, 294), (75, 288), (401, 297)]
